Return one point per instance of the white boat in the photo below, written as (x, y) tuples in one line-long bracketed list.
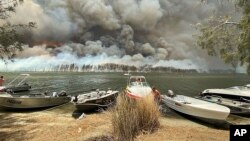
[(127, 74), (238, 93), (197, 108), (236, 107), (18, 84), (95, 99), (138, 87), (32, 101)]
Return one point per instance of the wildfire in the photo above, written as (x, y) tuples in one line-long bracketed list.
[(49, 44)]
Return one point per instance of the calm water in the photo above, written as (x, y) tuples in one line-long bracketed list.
[(76, 83)]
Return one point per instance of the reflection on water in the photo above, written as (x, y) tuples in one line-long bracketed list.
[(76, 83), (72, 83)]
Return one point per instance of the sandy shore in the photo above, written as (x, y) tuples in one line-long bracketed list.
[(58, 126)]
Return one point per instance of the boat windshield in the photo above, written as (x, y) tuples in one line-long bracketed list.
[(140, 81), (139, 84)]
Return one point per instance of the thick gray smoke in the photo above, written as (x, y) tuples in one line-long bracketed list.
[(140, 32)]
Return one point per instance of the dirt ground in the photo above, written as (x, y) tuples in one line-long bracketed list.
[(52, 126)]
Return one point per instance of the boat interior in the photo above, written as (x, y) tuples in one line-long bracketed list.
[(228, 101), (94, 95)]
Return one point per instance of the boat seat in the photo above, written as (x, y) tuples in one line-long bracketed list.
[(102, 93), (219, 100), (94, 94)]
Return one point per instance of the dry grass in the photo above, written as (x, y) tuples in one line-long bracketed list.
[(131, 117), (100, 138), (56, 126)]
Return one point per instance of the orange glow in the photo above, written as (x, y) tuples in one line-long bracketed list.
[(53, 44)]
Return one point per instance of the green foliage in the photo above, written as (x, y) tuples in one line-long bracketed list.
[(230, 40), (244, 41), (10, 39), (10, 35)]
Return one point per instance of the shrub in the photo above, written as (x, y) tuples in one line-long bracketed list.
[(133, 116)]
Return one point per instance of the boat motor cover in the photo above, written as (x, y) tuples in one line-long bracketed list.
[(171, 93)]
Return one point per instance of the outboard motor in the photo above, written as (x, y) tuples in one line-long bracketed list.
[(171, 93), (9, 91), (54, 94), (46, 93), (201, 94), (109, 90), (74, 98), (97, 91)]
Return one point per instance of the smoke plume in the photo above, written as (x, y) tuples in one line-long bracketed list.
[(131, 32)]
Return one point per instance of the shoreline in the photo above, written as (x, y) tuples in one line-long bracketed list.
[(49, 125)]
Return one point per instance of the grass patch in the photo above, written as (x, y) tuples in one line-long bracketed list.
[(131, 117)]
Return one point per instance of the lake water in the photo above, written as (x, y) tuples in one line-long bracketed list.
[(79, 82), (76, 83)]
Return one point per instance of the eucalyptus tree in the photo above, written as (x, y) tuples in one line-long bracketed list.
[(228, 38), (10, 35)]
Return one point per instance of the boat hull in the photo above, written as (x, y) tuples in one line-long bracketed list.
[(138, 91), (12, 103), (91, 105), (196, 110), (238, 111), (233, 93), (214, 122), (87, 107), (236, 107), (138, 87)]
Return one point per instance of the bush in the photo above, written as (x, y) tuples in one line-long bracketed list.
[(131, 117)]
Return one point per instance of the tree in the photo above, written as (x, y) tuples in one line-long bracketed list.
[(227, 38), (10, 35)]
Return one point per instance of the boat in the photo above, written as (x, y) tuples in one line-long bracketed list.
[(127, 74), (200, 109), (138, 87), (238, 93), (32, 101), (17, 86), (94, 100), (236, 107)]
